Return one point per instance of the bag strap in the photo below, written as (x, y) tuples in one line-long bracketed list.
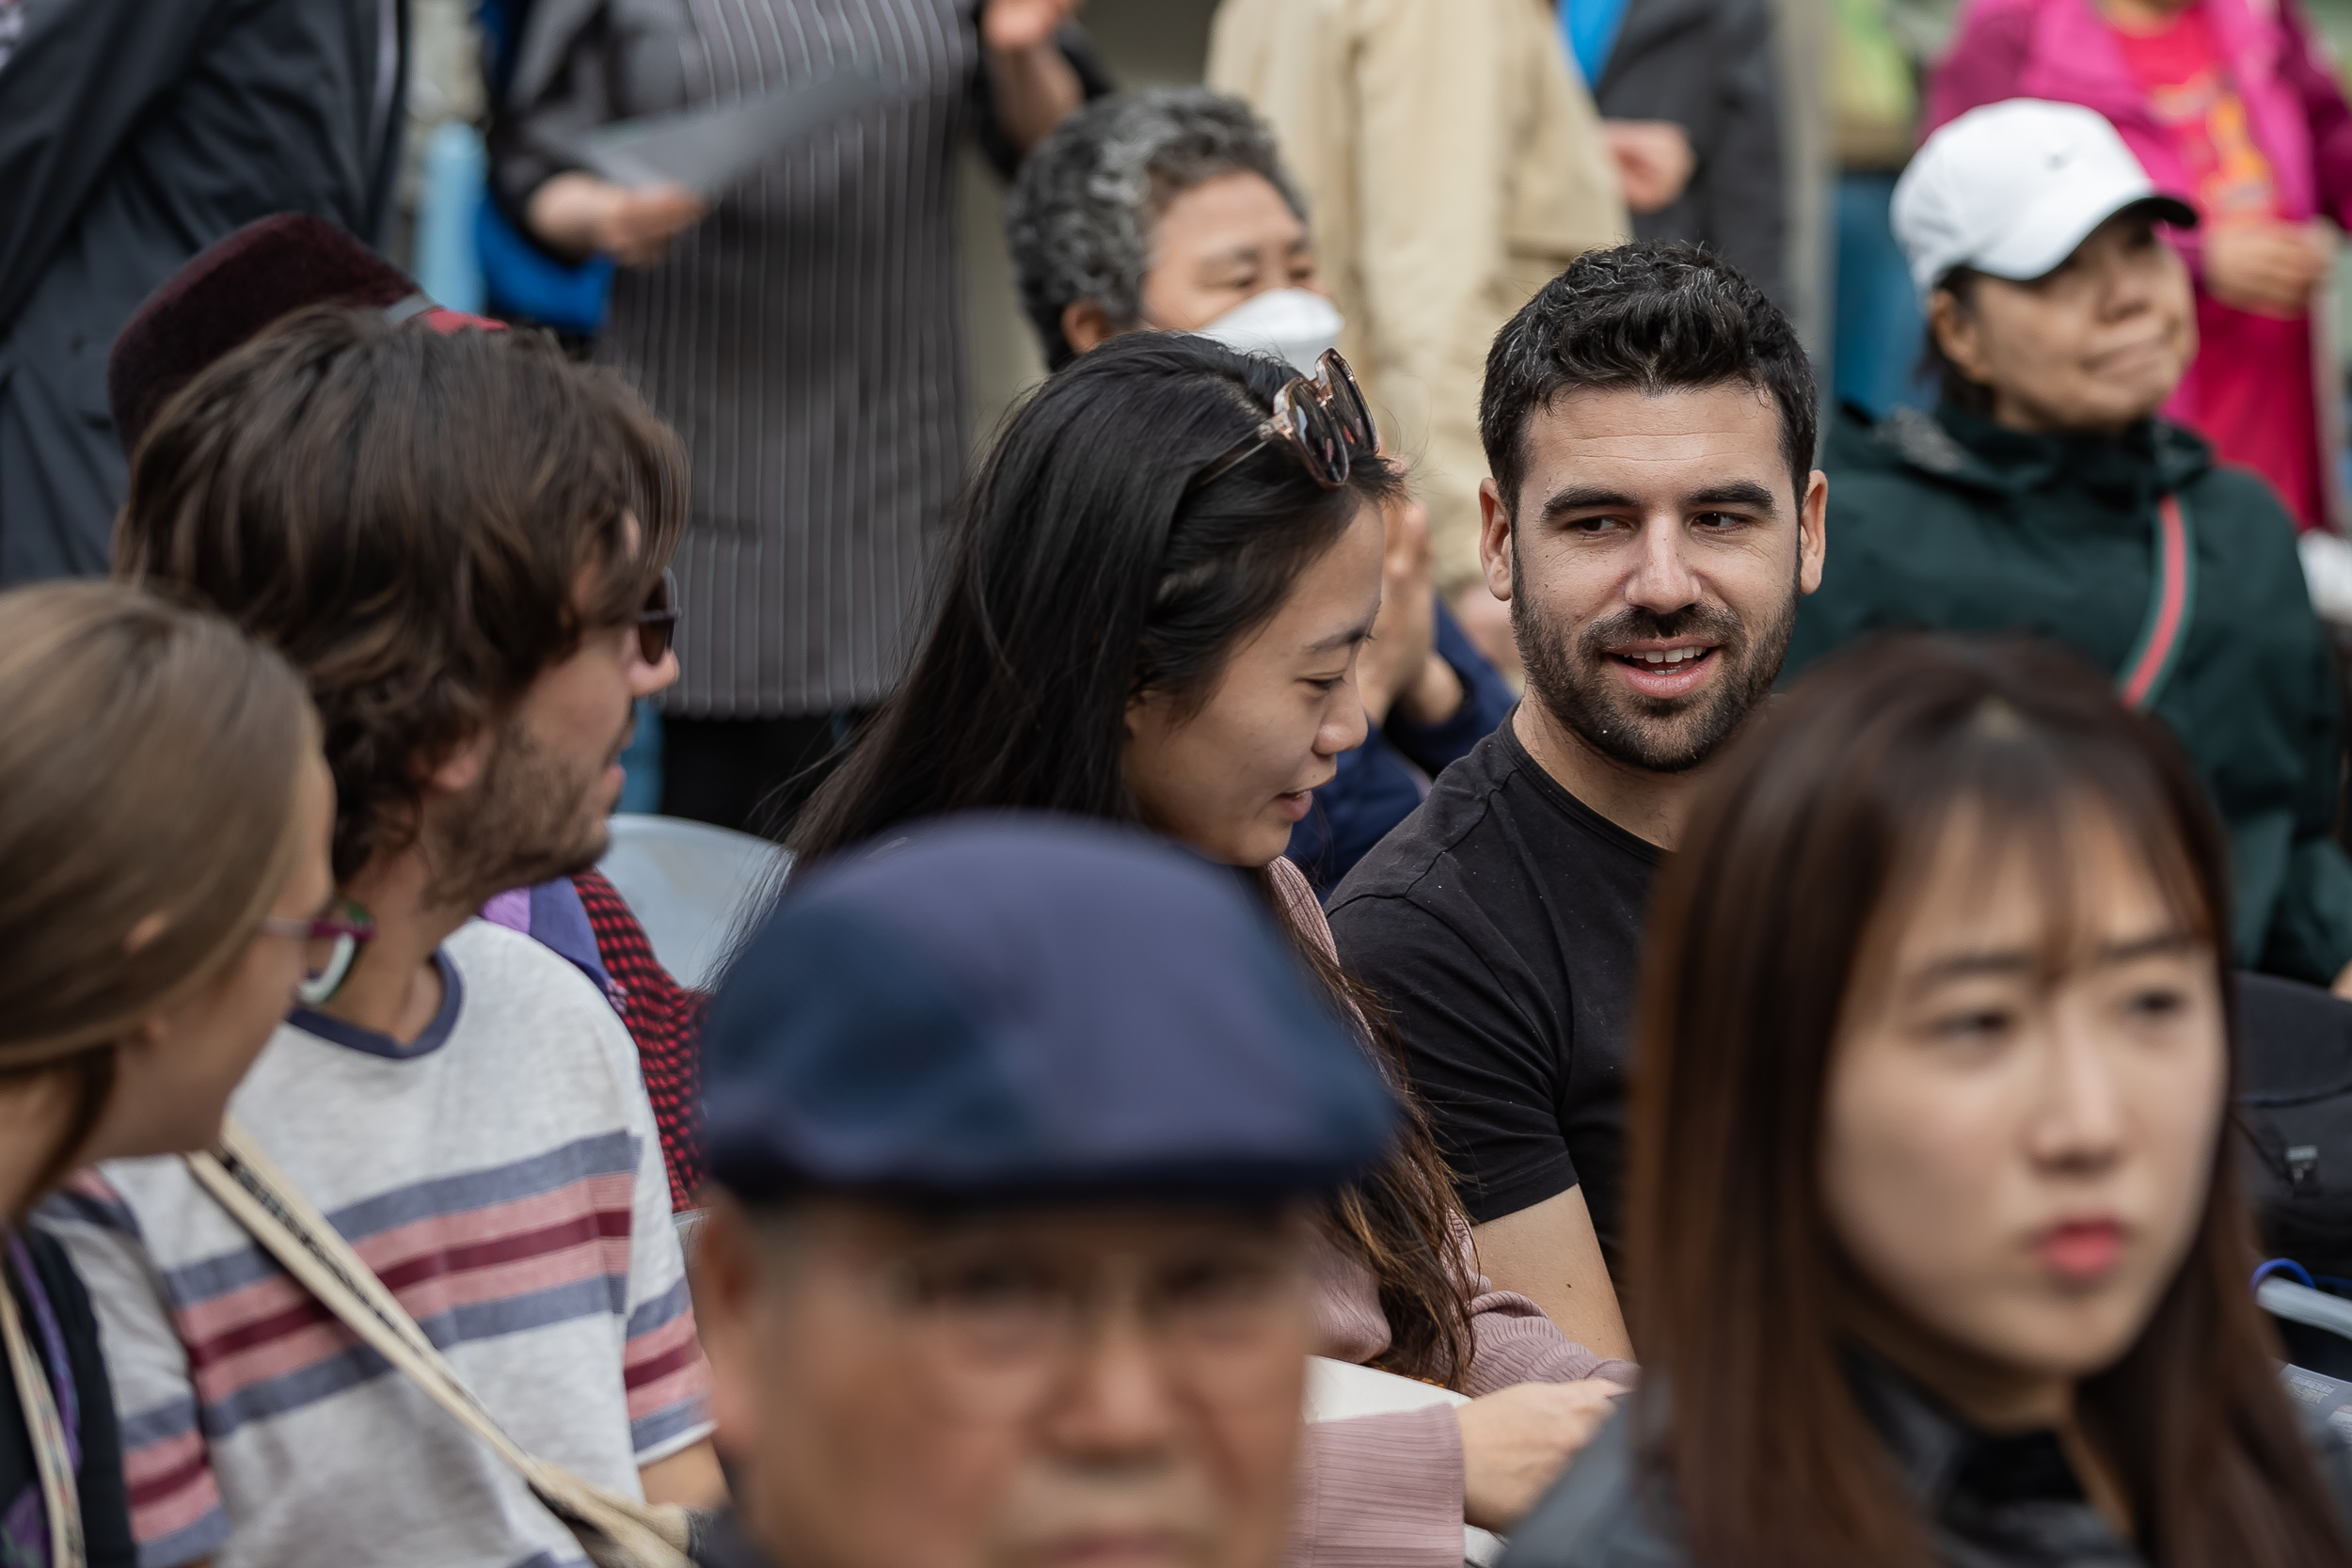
[(257, 1195), (2171, 604), (60, 1495)]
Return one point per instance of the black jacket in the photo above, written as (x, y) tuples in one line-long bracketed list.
[(134, 134), (1955, 524), (1990, 1503), (1706, 65)]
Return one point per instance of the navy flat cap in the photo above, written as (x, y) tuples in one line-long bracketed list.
[(1011, 1008)]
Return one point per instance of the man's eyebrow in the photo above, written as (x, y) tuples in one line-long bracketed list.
[(1739, 492), (1585, 497), (1744, 493)]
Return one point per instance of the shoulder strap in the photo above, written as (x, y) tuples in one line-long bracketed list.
[(257, 1195), (60, 1495), (2171, 604)]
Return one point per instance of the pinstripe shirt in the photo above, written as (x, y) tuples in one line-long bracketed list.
[(806, 339)]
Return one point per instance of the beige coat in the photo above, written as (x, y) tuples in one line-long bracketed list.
[(1452, 164)]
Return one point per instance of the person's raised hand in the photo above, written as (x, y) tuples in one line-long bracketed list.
[(1516, 1443), (579, 214), (1486, 621), (1009, 25), (2268, 268), (1653, 159)]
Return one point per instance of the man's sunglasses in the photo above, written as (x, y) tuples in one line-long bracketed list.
[(1325, 420), (657, 624)]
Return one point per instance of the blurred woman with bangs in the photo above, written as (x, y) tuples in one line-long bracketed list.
[(1939, 1253)]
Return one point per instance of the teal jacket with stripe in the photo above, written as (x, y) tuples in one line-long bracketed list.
[(1956, 524)]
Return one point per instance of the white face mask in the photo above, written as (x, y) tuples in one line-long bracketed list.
[(1295, 326)]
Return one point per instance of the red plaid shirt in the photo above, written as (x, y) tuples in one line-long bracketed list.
[(665, 1019)]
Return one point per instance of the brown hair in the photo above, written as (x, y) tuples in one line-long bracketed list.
[(405, 514), (150, 762), (1794, 854)]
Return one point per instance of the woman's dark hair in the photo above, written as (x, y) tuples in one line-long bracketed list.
[(1951, 386), (1813, 837), (1083, 571)]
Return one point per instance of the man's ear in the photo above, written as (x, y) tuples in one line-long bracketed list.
[(461, 767), (1085, 324), (1813, 533), (726, 1273), (1494, 539)]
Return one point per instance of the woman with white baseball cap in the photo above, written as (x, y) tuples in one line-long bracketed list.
[(2234, 107), (2045, 495)]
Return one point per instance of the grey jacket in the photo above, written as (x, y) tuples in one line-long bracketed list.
[(134, 134), (1706, 65), (2006, 1502)]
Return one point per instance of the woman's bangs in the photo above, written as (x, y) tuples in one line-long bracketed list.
[(2003, 795)]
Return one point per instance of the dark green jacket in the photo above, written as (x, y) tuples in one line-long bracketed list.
[(1957, 524)]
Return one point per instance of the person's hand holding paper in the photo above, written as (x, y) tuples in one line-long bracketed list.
[(646, 181), (584, 214)]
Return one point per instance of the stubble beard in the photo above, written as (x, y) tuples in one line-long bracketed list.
[(534, 817), (1567, 672)]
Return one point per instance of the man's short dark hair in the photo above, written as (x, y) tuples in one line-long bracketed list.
[(406, 516), (1651, 316)]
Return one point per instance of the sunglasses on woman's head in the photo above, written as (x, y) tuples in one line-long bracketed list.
[(1325, 420)]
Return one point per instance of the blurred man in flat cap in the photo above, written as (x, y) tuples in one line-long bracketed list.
[(1015, 1122)]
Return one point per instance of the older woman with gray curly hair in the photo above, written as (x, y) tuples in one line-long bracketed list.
[(1166, 209), (1170, 210)]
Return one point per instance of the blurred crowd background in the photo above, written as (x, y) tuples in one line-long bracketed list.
[(1849, 75)]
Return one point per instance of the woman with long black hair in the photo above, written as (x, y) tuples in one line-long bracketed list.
[(1153, 604)]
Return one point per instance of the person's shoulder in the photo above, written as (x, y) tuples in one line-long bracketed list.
[(504, 968), (1906, 455), (527, 996), (1459, 803), (2240, 503), (1595, 1515)]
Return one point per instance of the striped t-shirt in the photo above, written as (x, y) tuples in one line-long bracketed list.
[(502, 1174)]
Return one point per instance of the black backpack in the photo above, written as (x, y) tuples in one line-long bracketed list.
[(2294, 1123)]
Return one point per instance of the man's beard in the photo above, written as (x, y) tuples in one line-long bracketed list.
[(531, 820), (1569, 674)]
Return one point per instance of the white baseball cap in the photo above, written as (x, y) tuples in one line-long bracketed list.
[(2012, 188)]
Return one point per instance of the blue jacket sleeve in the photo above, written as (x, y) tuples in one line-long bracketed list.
[(1486, 702)]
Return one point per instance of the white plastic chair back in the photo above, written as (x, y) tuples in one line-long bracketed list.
[(689, 885)]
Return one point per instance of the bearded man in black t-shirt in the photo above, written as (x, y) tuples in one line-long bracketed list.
[(1654, 515)]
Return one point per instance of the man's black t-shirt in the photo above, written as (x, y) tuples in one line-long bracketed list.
[(105, 1511), (1502, 920)]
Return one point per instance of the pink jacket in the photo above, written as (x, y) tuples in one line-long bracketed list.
[(2063, 50)]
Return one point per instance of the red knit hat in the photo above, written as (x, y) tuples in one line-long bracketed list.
[(240, 284)]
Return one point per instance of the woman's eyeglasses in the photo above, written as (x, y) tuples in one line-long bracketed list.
[(657, 624), (1325, 420), (331, 943)]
